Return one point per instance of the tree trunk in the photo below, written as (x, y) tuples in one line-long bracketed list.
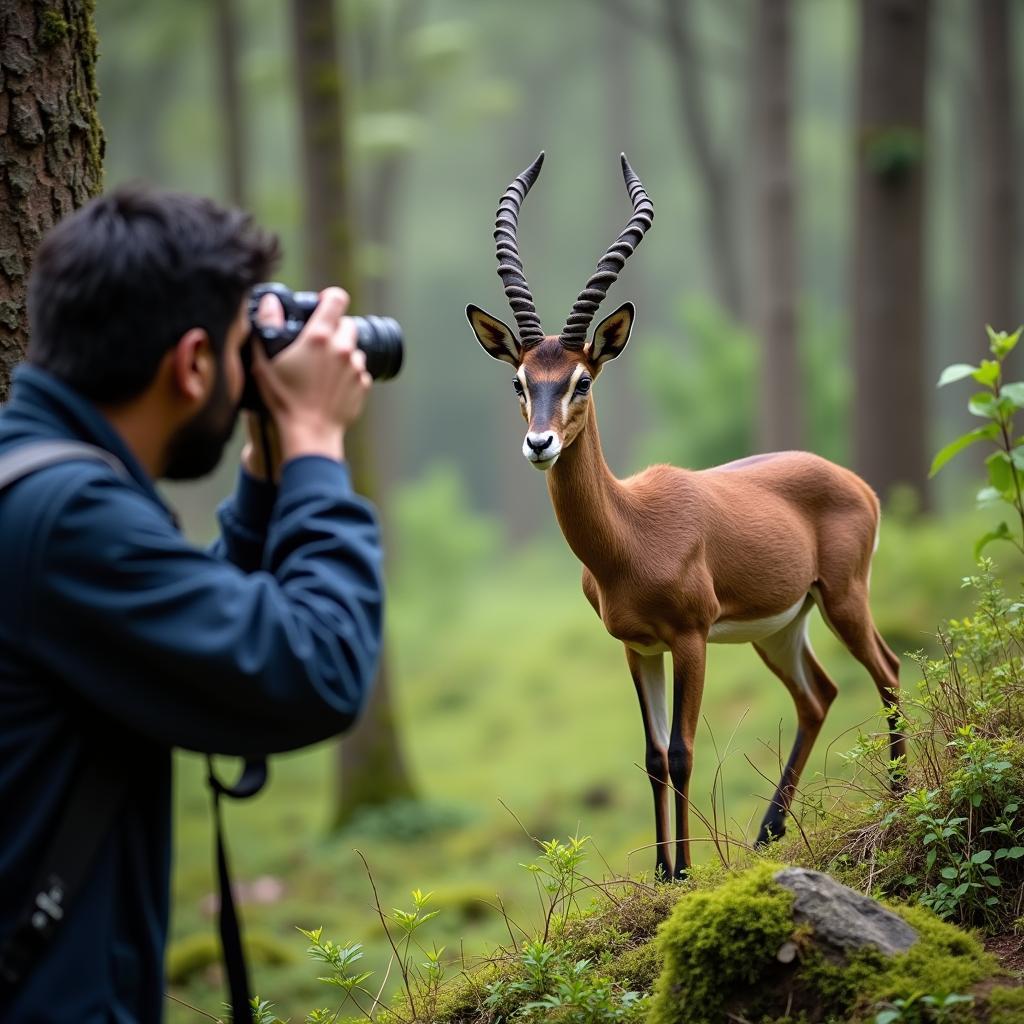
[(781, 408), (51, 142), (714, 175), (888, 337), (233, 126), (996, 218), (371, 765)]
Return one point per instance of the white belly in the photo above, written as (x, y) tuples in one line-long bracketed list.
[(741, 632)]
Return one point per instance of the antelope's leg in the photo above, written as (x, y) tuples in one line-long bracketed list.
[(648, 673), (788, 654), (689, 653), (848, 615)]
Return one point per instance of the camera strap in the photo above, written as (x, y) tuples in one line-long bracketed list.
[(251, 781), (96, 796)]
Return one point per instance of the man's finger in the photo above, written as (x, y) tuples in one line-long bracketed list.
[(345, 336), (330, 309), (270, 311)]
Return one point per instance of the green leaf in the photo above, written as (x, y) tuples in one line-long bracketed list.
[(1001, 532), (1000, 343), (981, 857), (986, 433), (1016, 853), (948, 873), (1014, 392), (1000, 471), (987, 374), (987, 497), (983, 404), (958, 371)]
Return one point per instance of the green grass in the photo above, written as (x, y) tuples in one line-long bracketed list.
[(510, 693)]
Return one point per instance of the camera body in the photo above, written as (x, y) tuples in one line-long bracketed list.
[(379, 337)]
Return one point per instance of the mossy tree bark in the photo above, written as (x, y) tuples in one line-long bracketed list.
[(51, 142), (890, 411), (372, 766)]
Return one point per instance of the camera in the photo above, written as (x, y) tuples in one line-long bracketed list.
[(379, 337)]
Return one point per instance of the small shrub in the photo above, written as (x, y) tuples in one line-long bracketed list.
[(953, 838)]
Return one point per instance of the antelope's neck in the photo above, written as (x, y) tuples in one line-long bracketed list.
[(588, 500)]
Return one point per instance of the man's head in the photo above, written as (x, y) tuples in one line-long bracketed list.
[(138, 299)]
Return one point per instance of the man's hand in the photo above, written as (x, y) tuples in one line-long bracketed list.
[(316, 388)]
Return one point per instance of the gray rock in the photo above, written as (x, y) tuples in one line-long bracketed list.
[(844, 920)]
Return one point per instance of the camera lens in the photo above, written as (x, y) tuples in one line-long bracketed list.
[(380, 339)]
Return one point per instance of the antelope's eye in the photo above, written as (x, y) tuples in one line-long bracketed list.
[(517, 386), (583, 385)]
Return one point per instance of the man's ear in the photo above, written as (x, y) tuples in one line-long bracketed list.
[(496, 338), (612, 334), (193, 365)]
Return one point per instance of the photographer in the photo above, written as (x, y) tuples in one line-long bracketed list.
[(119, 640)]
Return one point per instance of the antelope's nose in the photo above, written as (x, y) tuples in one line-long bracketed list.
[(538, 442)]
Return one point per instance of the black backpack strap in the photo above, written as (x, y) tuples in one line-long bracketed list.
[(96, 795), (33, 455)]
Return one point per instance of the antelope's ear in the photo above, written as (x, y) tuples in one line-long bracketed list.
[(612, 334), (497, 339)]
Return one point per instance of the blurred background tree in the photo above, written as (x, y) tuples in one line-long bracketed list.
[(371, 760), (889, 249)]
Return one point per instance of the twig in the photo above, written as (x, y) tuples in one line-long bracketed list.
[(203, 1013), (391, 943)]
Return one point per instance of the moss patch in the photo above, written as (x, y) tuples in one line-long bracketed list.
[(1006, 1006), (718, 942)]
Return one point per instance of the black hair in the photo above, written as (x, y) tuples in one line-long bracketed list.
[(115, 285)]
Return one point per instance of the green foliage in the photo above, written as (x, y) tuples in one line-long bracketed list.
[(197, 953), (952, 838), (706, 393), (1006, 1006), (892, 152), (997, 404), (920, 1009), (444, 544), (406, 820)]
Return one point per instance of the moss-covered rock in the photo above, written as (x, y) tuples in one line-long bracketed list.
[(721, 957)]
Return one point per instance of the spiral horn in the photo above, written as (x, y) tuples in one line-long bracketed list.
[(510, 265), (574, 334)]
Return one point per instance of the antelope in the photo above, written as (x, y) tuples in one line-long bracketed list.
[(674, 559)]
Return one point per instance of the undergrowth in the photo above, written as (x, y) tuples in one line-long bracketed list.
[(951, 837)]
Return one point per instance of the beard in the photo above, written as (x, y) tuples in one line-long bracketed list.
[(197, 447)]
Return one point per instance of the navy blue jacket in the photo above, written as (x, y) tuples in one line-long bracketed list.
[(112, 626)]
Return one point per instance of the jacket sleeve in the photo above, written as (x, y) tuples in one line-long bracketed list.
[(191, 650), (244, 520)]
